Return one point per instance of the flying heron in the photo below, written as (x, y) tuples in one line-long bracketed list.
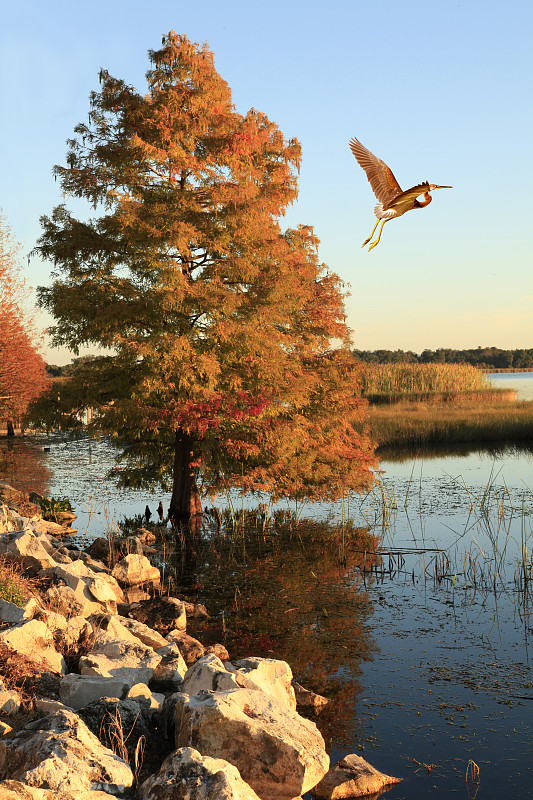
[(392, 201)]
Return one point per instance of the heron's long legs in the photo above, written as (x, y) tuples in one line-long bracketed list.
[(371, 235), (379, 235)]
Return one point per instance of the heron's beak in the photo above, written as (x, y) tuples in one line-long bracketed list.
[(440, 187)]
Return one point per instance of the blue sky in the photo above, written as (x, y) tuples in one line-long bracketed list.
[(440, 91)]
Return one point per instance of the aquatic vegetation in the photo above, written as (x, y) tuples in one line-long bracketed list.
[(424, 423), (53, 507), (380, 380)]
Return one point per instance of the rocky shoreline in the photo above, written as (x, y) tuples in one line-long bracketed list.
[(104, 693)]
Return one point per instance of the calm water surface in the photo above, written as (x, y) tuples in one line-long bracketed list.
[(522, 382), (451, 679), (447, 678)]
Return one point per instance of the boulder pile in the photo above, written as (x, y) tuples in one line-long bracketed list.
[(126, 704)]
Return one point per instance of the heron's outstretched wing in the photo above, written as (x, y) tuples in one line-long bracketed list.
[(383, 183), (410, 195)]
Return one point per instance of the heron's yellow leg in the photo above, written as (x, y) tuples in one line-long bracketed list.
[(379, 236), (371, 235)]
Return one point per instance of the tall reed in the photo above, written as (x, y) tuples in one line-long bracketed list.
[(422, 379)]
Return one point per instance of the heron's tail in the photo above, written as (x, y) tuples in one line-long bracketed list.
[(381, 214)]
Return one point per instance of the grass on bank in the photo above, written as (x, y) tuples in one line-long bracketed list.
[(417, 404), (15, 587), (409, 423)]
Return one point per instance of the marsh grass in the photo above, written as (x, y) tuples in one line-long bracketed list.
[(379, 507), (408, 423), (421, 404), (472, 779), (490, 556)]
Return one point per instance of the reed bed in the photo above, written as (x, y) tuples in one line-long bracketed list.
[(422, 379)]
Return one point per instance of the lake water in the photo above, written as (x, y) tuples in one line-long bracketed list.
[(522, 382), (451, 679), (432, 644)]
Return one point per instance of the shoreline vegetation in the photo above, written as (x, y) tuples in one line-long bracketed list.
[(425, 404), (413, 404), (414, 380), (106, 683), (410, 423)]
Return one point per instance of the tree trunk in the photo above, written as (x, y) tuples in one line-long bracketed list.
[(10, 428), (185, 504)]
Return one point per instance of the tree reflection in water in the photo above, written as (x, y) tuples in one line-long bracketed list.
[(23, 464), (293, 592)]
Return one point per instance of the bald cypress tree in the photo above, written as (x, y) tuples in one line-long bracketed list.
[(218, 324)]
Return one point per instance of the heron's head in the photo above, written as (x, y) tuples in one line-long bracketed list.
[(433, 186)]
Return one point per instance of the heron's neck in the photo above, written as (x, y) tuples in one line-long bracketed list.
[(426, 201)]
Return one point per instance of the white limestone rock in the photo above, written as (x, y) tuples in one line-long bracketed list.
[(209, 674), (9, 519), (61, 598), (268, 674), (60, 753), (76, 626), (187, 774), (15, 790), (34, 641), (77, 691), (130, 661), (200, 611), (278, 753), (10, 701), (78, 577), (142, 632), (109, 629), (13, 614), (172, 667), (352, 777), (134, 569), (196, 610), (54, 621), (48, 706), (106, 590), (145, 536), (190, 648), (95, 564), (152, 701), (24, 547), (40, 525)]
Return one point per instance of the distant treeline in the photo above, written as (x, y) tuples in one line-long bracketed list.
[(66, 369), (483, 357)]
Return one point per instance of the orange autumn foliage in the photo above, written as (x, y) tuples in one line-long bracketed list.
[(229, 347), (22, 369)]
